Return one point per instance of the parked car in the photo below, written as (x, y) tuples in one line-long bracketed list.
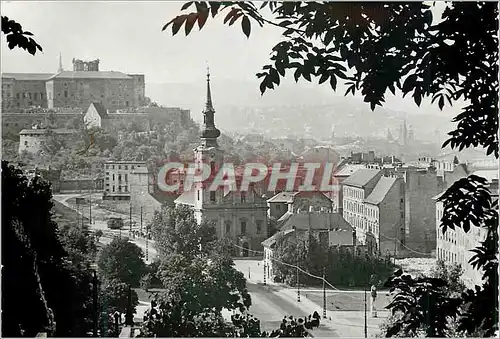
[(115, 223)]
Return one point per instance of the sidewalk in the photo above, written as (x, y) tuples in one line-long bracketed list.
[(345, 323)]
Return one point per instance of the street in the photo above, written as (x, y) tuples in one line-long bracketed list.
[(273, 302), (99, 222), (270, 302)]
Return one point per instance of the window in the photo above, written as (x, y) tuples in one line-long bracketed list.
[(126, 167), (119, 177), (25, 143), (228, 228), (36, 96), (119, 189), (125, 188), (212, 196), (243, 227), (212, 167), (113, 168), (119, 167), (107, 173), (259, 226), (17, 96), (243, 197), (132, 167), (113, 177), (113, 188), (198, 195), (126, 103), (126, 177), (65, 93), (29, 95), (107, 166)]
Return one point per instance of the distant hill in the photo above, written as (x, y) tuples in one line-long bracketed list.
[(295, 109)]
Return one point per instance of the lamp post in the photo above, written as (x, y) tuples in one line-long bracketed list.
[(366, 321), (95, 282), (298, 277), (129, 316), (130, 220), (324, 295), (264, 272), (141, 220)]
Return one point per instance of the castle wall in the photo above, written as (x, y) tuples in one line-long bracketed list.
[(112, 93)]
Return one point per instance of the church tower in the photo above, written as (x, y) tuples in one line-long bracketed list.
[(208, 152)]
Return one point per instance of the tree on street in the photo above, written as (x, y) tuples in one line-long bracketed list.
[(401, 48), (122, 260)]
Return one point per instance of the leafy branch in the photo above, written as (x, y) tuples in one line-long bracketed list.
[(16, 37)]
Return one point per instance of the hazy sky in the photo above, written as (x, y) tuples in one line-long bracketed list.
[(127, 37)]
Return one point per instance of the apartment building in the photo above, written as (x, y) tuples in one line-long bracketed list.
[(117, 178), (355, 189), (454, 246)]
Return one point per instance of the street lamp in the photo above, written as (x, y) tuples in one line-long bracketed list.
[(95, 282), (366, 320), (324, 295)]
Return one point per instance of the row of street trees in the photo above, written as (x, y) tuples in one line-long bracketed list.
[(342, 267)]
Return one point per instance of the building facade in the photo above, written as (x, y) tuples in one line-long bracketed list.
[(293, 202), (77, 88), (239, 216), (35, 140), (355, 189), (117, 179)]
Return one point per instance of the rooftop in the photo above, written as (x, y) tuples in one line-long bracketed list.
[(28, 76), (380, 191), (316, 221), (43, 131), (90, 75), (361, 177), (131, 162), (186, 198), (348, 169)]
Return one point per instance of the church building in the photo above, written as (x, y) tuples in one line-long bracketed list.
[(239, 216)]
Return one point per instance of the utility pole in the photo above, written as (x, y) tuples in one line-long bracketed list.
[(264, 273), (141, 219), (90, 208), (298, 277), (147, 238), (130, 220), (324, 295), (366, 324)]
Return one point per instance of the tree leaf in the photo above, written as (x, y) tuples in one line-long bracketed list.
[(333, 82), (441, 102), (245, 26), (190, 21), (324, 78), (186, 5), (177, 24), (214, 8), (229, 15), (202, 18), (234, 18)]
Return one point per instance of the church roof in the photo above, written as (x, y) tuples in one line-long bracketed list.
[(28, 76), (186, 198), (90, 75), (103, 112)]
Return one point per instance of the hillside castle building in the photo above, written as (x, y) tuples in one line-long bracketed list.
[(73, 89)]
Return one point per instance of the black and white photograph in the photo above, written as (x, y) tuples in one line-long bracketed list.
[(249, 169)]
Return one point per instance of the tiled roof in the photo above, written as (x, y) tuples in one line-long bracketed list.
[(44, 131), (348, 169), (28, 76), (90, 75), (380, 190), (186, 198), (487, 174), (318, 221), (103, 113), (361, 177), (164, 198), (286, 197)]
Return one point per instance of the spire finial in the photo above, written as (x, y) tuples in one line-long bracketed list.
[(209, 92)]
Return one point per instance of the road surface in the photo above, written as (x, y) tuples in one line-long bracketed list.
[(337, 324), (99, 222)]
